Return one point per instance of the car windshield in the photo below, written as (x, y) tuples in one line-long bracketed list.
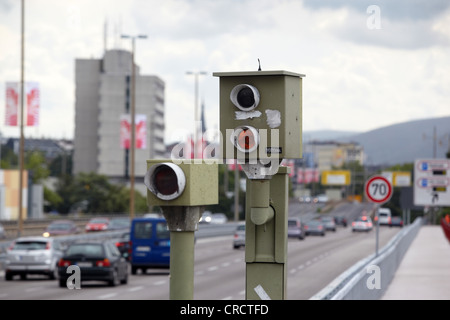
[(292, 223), (30, 245), (60, 226), (99, 220), (120, 223), (85, 249)]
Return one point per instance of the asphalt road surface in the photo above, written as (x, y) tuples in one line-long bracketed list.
[(220, 270)]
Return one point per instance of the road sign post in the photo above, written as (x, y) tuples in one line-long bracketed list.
[(378, 190), (432, 182)]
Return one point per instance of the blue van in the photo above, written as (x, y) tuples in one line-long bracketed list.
[(150, 244)]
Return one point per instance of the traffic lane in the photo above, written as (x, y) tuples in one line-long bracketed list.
[(152, 285), (314, 263), (219, 270), (351, 211)]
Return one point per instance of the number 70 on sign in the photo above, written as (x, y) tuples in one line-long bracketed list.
[(378, 189)]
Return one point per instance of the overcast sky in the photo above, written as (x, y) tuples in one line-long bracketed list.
[(367, 63)]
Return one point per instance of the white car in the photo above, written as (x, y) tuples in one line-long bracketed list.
[(384, 216), (32, 255), (363, 223)]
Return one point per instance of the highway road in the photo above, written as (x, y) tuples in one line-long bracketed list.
[(220, 270)]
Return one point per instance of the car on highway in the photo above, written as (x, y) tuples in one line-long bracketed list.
[(396, 221), (123, 243), (305, 199), (98, 261), (206, 217), (295, 228), (61, 227), (218, 218), (314, 227), (340, 221), (322, 198), (329, 223), (97, 224), (119, 223), (32, 255), (239, 236), (150, 244), (362, 223), (384, 216), (2, 232)]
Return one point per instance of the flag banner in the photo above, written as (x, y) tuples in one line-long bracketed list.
[(32, 90), (140, 133), (12, 104), (307, 175)]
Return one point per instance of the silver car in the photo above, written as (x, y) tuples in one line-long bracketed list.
[(2, 232), (239, 236), (296, 228), (32, 255)]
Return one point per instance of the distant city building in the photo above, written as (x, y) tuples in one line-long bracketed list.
[(102, 96), (329, 154), (50, 148)]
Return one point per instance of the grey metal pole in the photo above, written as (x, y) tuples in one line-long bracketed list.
[(378, 230), (181, 265), (133, 129), (22, 142)]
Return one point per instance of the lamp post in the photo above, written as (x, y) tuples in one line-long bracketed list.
[(22, 139), (196, 74), (132, 115)]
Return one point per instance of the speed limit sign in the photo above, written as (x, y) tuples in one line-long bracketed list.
[(378, 189)]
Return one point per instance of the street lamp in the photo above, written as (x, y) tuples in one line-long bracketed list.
[(196, 74), (132, 112)]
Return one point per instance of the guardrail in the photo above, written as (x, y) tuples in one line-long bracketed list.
[(356, 282)]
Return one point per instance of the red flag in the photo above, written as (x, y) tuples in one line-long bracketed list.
[(12, 103), (140, 135), (32, 90)]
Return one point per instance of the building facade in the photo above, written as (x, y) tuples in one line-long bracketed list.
[(102, 96)]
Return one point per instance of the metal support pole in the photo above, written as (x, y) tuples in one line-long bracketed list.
[(22, 139), (182, 222), (266, 237), (378, 229), (182, 265), (133, 130)]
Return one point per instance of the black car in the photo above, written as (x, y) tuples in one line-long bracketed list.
[(98, 261), (340, 221), (123, 243)]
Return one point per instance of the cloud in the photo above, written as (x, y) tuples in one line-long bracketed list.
[(401, 24)]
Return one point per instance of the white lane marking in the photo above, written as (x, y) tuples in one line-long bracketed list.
[(213, 268), (108, 295), (158, 283), (33, 289), (135, 289)]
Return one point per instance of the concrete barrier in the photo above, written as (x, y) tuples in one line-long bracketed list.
[(370, 277)]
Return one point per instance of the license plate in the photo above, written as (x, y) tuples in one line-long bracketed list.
[(84, 264), (143, 249)]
